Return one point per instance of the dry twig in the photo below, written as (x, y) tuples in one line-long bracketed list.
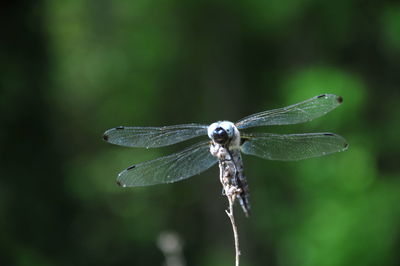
[(231, 199), (227, 173)]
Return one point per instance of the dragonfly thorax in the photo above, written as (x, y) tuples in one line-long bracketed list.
[(224, 133)]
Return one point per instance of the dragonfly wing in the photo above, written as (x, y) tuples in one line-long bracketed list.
[(151, 137), (169, 169), (293, 114), (292, 147)]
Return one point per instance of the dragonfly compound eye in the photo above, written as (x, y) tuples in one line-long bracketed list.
[(220, 135)]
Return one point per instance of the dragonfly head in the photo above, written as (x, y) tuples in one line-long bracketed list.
[(221, 132)]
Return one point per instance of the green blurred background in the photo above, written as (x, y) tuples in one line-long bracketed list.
[(69, 70)]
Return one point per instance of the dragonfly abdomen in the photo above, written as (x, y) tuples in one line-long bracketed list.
[(241, 181)]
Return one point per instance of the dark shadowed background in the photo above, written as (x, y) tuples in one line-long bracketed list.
[(69, 70)]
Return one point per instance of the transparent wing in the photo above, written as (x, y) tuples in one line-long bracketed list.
[(151, 137), (293, 114), (169, 169), (292, 147)]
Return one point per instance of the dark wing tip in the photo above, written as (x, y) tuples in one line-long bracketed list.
[(119, 183), (339, 99), (106, 135), (346, 145), (130, 167)]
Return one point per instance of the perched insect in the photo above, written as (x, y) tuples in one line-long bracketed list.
[(226, 145)]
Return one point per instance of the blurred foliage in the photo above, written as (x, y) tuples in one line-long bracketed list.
[(72, 69)]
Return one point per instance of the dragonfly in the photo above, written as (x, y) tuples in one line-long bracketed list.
[(225, 144)]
